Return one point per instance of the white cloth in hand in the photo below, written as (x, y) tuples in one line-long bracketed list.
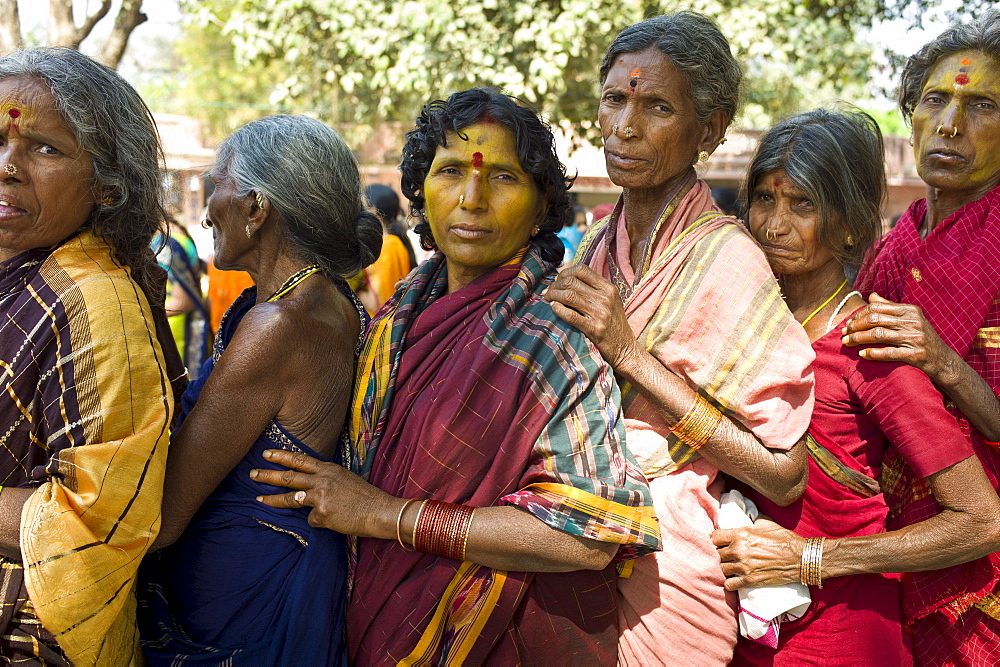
[(761, 609)]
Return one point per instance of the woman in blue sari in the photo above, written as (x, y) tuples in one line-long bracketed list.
[(241, 582)]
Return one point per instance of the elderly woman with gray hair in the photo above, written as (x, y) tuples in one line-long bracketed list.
[(87, 395), (242, 581), (715, 372), (814, 190)]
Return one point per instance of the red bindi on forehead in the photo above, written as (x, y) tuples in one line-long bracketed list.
[(14, 113), (776, 183), (477, 160), (963, 77)]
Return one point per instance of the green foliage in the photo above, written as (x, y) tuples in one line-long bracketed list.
[(357, 64)]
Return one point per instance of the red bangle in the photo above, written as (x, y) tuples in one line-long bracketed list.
[(442, 529)]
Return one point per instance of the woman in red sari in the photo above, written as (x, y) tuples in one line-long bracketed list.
[(813, 190), (493, 493)]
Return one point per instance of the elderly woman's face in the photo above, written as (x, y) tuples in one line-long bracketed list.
[(47, 179), (481, 204), (228, 214), (651, 132), (956, 125), (785, 221)]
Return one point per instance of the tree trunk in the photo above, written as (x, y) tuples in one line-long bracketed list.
[(129, 17), (62, 28), (10, 26)]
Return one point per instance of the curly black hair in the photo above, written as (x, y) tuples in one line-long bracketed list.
[(535, 149)]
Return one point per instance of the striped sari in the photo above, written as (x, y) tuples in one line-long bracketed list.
[(84, 421), (483, 397), (705, 304)]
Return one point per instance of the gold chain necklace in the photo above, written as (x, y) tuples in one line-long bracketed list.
[(824, 304), (294, 280)]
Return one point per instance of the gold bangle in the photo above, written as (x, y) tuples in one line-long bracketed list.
[(399, 520), (698, 424), (416, 522), (465, 536), (811, 567)]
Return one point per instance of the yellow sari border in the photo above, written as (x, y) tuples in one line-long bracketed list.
[(467, 620), (634, 523)]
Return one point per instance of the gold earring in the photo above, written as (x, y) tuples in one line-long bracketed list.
[(535, 231), (205, 224), (703, 156), (249, 234), (849, 241), (107, 200), (260, 203)]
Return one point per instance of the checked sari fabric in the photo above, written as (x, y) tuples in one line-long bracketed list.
[(484, 397), (84, 422), (954, 276)]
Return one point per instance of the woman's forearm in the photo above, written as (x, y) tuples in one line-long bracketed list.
[(970, 393), (507, 538), (967, 528), (779, 475), (946, 539)]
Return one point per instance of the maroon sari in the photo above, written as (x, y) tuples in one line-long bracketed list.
[(483, 397)]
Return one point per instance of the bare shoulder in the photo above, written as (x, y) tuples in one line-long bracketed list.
[(300, 336)]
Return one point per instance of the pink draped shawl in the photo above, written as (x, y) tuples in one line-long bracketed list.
[(708, 308)]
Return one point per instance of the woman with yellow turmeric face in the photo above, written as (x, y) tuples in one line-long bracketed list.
[(490, 481), (482, 206), (934, 283)]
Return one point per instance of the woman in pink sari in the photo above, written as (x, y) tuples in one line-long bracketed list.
[(678, 298)]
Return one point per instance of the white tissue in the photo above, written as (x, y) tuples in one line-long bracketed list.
[(761, 609)]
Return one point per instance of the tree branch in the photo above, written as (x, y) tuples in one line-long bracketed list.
[(62, 28), (129, 17), (84, 31)]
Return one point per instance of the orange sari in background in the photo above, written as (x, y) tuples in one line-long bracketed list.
[(223, 289)]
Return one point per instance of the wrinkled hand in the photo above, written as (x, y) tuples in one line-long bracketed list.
[(341, 500), (591, 303), (904, 331), (764, 554)]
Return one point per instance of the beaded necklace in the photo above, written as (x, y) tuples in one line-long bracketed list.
[(824, 304), (843, 302), (294, 280)]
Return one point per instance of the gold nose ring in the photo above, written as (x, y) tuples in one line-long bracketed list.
[(614, 129), (10, 169), (629, 132), (770, 235), (461, 199), (941, 133)]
